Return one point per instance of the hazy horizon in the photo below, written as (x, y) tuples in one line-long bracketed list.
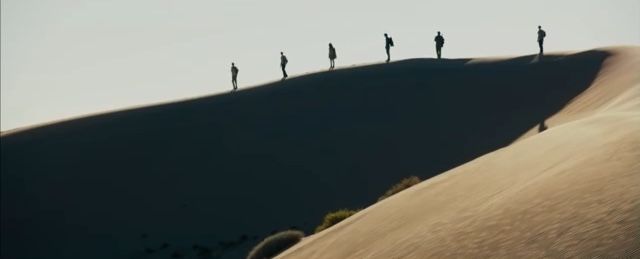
[(68, 58)]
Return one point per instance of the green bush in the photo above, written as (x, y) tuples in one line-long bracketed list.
[(404, 184), (333, 218), (275, 244)]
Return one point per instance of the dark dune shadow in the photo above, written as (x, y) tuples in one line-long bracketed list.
[(265, 158)]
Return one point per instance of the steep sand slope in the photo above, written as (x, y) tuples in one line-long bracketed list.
[(225, 168), (570, 191)]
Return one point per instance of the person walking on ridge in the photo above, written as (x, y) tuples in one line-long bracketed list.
[(283, 65), (332, 56), (541, 35), (234, 76), (388, 43), (439, 44)]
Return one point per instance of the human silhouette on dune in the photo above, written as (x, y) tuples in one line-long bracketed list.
[(283, 65), (542, 126), (388, 43), (332, 56), (234, 76), (541, 35), (439, 44)]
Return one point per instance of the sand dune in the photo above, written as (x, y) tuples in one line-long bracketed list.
[(216, 168), (571, 191)]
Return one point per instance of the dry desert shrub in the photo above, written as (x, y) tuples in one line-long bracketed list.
[(275, 244)]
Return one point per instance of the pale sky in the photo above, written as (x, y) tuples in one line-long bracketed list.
[(65, 58)]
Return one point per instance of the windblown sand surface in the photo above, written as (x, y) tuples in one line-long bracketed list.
[(570, 191), (232, 168)]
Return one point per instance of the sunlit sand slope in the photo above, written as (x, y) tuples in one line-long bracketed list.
[(571, 191)]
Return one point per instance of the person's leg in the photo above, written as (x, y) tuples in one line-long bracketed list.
[(388, 55), (540, 46)]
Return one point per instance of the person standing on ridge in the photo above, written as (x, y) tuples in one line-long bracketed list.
[(234, 76), (332, 56), (541, 35), (439, 44), (283, 65), (388, 43)]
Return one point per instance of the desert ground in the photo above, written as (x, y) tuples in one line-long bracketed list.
[(572, 190), (526, 156)]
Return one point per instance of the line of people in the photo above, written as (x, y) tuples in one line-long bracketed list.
[(439, 42)]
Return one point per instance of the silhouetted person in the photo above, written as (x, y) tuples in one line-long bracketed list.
[(439, 44), (542, 126), (234, 76), (541, 35), (283, 65), (332, 56), (388, 43)]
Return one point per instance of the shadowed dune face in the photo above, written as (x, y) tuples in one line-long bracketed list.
[(266, 158)]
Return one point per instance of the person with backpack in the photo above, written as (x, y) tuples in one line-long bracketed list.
[(234, 76), (332, 56), (388, 43), (541, 35), (283, 65), (439, 44)]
